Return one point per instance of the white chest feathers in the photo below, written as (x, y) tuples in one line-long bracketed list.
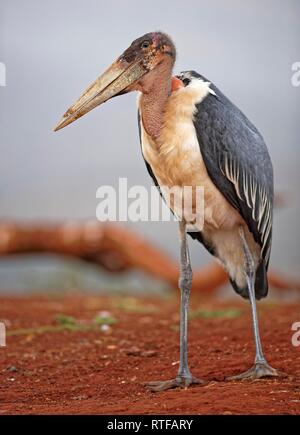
[(174, 155), (175, 158)]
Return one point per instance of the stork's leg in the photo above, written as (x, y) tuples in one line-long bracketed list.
[(184, 377), (260, 368)]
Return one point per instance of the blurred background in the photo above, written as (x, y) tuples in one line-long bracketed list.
[(53, 50)]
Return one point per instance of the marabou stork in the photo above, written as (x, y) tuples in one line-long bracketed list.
[(193, 135)]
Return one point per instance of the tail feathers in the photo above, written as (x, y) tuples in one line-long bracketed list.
[(261, 280), (261, 284)]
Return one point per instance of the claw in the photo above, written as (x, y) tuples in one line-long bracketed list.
[(179, 382), (259, 370)]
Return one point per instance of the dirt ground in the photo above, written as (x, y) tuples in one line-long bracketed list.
[(81, 354)]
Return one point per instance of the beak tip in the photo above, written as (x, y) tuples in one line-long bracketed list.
[(60, 125), (111, 83)]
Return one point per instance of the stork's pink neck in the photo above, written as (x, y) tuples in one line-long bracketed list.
[(156, 88)]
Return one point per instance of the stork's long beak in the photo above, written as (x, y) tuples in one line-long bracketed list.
[(119, 76)]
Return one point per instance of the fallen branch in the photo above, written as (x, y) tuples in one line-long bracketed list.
[(113, 248)]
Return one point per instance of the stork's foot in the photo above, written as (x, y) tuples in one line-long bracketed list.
[(259, 370), (178, 382)]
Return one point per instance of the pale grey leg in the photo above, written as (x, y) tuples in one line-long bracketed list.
[(184, 377), (261, 368), (185, 282)]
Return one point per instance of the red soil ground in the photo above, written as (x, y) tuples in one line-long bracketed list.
[(52, 370)]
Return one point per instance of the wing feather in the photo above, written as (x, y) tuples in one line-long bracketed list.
[(238, 162)]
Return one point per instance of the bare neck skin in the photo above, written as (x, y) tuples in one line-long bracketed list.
[(156, 89)]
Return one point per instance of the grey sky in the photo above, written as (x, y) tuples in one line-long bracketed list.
[(54, 49)]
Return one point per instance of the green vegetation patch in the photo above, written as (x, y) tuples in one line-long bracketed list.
[(66, 323), (228, 313), (133, 305)]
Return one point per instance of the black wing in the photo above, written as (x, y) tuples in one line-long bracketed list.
[(238, 163)]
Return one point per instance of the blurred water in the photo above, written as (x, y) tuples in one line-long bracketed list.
[(52, 274)]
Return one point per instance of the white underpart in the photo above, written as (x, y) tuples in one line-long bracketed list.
[(176, 160), (171, 150)]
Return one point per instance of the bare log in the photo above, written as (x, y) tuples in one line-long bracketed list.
[(114, 248)]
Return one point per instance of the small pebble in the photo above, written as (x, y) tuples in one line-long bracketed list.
[(12, 369)]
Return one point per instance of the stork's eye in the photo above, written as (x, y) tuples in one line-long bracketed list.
[(145, 44), (186, 81)]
